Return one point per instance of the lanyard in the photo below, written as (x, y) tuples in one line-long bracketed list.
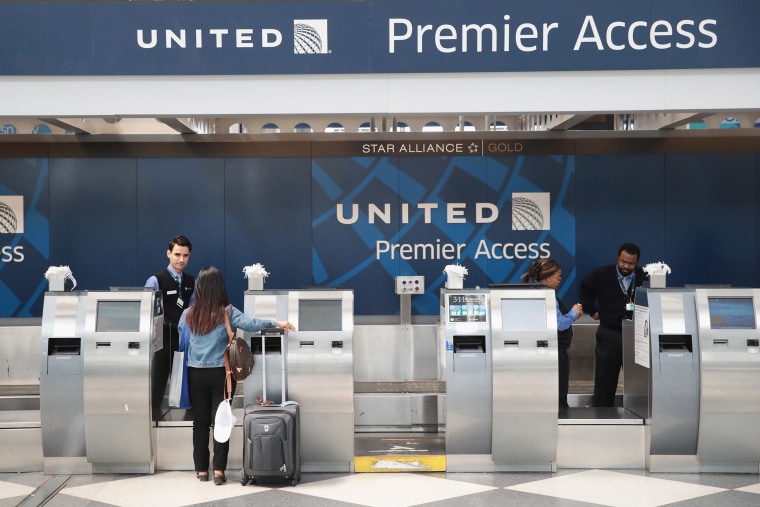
[(628, 293)]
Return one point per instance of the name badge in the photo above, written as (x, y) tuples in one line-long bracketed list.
[(629, 307), (171, 292)]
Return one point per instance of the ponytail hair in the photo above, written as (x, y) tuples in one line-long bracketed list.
[(540, 269)]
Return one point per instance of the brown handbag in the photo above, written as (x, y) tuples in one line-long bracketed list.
[(238, 358)]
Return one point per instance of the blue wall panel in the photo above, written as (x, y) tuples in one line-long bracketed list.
[(93, 220), (619, 198), (540, 173), (344, 254), (24, 256), (710, 213), (441, 181), (110, 219), (756, 232), (179, 196), (267, 220), (405, 212)]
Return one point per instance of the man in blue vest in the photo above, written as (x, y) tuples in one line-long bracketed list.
[(607, 294), (178, 290)]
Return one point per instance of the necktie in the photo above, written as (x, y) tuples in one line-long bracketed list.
[(180, 303)]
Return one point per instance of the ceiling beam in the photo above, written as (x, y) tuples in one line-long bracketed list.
[(665, 121), (566, 121), (65, 125), (177, 125)]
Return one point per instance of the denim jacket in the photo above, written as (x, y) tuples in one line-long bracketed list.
[(207, 350)]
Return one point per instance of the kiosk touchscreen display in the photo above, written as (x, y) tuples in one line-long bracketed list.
[(731, 313), (320, 315), (123, 316), (467, 308), (523, 315)]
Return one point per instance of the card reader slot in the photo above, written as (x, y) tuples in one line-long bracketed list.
[(670, 342), (65, 350), (64, 346), (469, 344)]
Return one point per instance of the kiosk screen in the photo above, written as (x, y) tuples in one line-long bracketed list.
[(320, 315), (467, 308), (121, 316), (523, 315), (731, 313)]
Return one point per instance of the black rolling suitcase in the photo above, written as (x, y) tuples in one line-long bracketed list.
[(271, 433)]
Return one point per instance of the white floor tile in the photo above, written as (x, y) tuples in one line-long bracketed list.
[(9, 490), (754, 488), (388, 490), (616, 489), (600, 487), (167, 489)]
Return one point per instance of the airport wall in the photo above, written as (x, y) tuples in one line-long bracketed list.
[(358, 212)]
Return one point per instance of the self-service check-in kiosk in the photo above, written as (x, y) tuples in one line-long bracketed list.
[(62, 386), (122, 329), (321, 376), (525, 378), (266, 304), (469, 379), (661, 375), (729, 415)]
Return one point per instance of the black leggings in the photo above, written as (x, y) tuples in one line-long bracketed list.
[(206, 387)]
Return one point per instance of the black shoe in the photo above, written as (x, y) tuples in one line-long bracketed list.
[(202, 478), (218, 481)]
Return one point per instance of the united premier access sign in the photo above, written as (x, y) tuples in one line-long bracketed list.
[(424, 36)]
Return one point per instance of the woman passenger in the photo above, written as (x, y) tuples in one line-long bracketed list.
[(548, 272), (205, 362)]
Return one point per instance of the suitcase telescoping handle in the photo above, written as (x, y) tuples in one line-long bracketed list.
[(272, 331)]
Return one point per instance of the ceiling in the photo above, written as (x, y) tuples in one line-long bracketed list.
[(381, 123)]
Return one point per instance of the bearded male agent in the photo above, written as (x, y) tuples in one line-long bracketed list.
[(607, 294), (178, 289)]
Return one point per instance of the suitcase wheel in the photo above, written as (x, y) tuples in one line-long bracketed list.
[(243, 478)]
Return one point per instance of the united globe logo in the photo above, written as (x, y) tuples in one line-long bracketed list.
[(8, 219), (531, 211), (11, 214), (310, 36), (306, 40)]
